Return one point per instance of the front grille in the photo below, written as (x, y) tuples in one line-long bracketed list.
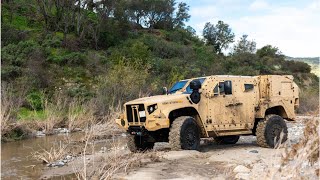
[(133, 112)]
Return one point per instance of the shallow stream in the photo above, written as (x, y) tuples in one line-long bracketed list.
[(17, 161)]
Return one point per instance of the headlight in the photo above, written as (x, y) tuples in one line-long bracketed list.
[(152, 108)]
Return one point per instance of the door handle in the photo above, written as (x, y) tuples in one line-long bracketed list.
[(229, 105), (236, 104)]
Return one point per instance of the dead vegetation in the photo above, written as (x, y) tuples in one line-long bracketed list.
[(58, 110), (309, 101), (302, 159), (55, 153)]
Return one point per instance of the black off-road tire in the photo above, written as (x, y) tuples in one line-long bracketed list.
[(138, 143), (227, 139), (269, 131), (184, 134)]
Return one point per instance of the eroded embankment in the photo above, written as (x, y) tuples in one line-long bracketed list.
[(102, 157)]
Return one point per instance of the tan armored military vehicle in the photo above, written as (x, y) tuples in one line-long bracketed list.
[(222, 107)]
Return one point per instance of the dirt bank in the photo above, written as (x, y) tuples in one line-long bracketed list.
[(244, 160)]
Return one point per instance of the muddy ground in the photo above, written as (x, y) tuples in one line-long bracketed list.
[(244, 160)]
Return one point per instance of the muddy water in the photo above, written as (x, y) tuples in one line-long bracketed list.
[(17, 161), (16, 157)]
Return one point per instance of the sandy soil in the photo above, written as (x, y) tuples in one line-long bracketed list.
[(244, 160)]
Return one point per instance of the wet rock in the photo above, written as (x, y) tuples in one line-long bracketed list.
[(254, 151), (241, 169), (60, 164), (77, 129), (61, 131), (64, 130), (68, 157), (40, 134)]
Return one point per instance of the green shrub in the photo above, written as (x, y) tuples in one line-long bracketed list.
[(35, 100), (25, 114), (52, 41), (14, 58), (62, 57)]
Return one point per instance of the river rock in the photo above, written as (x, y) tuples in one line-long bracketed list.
[(175, 155), (68, 157), (77, 129), (103, 150), (241, 169), (40, 134), (60, 163), (64, 130), (244, 176), (254, 151)]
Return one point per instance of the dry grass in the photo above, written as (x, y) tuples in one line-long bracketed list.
[(9, 102), (309, 101), (80, 113), (302, 159), (117, 159), (55, 153), (107, 127)]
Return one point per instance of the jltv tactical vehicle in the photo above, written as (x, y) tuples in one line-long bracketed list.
[(223, 107)]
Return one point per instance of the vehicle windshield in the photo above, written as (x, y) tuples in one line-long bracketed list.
[(177, 86)]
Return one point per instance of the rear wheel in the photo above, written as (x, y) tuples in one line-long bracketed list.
[(227, 139), (271, 130), (184, 134), (139, 143)]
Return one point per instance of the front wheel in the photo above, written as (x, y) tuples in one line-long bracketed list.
[(138, 143), (184, 134)]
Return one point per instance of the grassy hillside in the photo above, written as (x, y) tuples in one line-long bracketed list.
[(312, 61)]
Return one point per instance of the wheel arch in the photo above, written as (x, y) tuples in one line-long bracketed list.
[(188, 111), (277, 110)]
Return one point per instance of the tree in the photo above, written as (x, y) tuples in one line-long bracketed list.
[(159, 14), (182, 15), (136, 10), (191, 30), (244, 46), (270, 51), (219, 35)]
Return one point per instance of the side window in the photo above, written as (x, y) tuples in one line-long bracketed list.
[(221, 87), (248, 87), (216, 90)]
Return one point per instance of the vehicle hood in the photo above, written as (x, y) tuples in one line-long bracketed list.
[(158, 99)]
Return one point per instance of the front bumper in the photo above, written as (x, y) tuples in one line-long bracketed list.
[(152, 124)]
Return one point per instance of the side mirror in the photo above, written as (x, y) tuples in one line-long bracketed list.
[(228, 87), (195, 85), (164, 90)]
